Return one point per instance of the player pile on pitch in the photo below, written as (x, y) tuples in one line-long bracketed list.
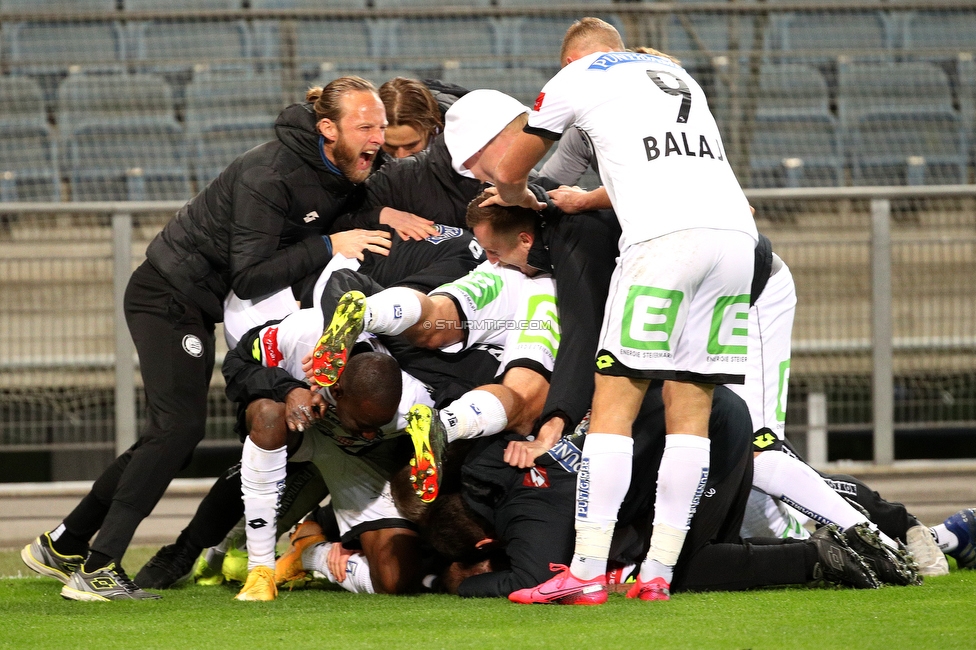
[(682, 306)]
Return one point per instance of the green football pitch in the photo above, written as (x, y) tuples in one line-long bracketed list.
[(937, 614)]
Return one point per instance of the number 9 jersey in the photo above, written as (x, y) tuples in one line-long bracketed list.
[(659, 149)]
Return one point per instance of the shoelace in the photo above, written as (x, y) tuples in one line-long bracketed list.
[(125, 580)]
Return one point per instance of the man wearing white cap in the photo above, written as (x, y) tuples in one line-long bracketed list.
[(679, 297)]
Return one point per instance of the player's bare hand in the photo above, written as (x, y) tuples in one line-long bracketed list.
[(338, 556), (353, 243), (407, 224), (307, 366), (527, 200), (523, 453), (302, 408), (571, 200)]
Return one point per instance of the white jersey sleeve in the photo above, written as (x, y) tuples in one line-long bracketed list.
[(532, 339)]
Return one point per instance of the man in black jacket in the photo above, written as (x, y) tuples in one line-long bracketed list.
[(260, 226)]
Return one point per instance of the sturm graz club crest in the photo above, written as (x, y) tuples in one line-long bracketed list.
[(193, 345)]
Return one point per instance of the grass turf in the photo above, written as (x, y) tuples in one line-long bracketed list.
[(935, 615)]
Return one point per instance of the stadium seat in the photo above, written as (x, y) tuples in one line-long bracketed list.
[(967, 98), (899, 124), (523, 84), (536, 40), (226, 97), (127, 163), (57, 6), (308, 4), (696, 39), (54, 48), (427, 43), (344, 44), (85, 100), (822, 37), (542, 3), (174, 5), (328, 72), (939, 35), (795, 141), (28, 163), (217, 145), (175, 46), (21, 103), (396, 4)]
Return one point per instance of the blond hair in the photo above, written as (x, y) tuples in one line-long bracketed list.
[(326, 101), (653, 52), (409, 102), (590, 32)]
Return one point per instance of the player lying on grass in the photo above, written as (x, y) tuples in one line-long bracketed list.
[(273, 424), (521, 521)]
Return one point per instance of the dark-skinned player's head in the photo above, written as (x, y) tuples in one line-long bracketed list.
[(368, 393)]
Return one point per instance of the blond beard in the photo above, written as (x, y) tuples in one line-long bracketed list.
[(346, 159)]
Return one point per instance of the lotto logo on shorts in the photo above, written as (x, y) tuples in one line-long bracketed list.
[(649, 317), (729, 333)]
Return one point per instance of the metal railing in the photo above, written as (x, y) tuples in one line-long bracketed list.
[(947, 346)]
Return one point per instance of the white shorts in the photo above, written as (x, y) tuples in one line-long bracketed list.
[(503, 307), (359, 484), (679, 308), (768, 368)]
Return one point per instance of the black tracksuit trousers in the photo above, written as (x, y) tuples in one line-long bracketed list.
[(175, 342)]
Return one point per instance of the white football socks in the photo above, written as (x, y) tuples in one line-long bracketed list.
[(680, 484), (945, 538), (476, 413), (357, 580), (601, 485), (262, 482), (392, 311), (797, 484)]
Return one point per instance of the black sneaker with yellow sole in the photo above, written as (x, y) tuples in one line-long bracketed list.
[(41, 557), (108, 583)]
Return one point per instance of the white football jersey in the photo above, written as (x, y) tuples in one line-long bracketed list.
[(284, 345), (659, 150)]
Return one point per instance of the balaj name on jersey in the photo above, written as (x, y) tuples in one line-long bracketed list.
[(672, 147)]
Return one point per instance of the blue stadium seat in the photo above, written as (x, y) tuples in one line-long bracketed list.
[(174, 5), (696, 39), (536, 40), (345, 44), (939, 35), (142, 99), (822, 37), (542, 3), (217, 145), (225, 97), (308, 4), (21, 103), (328, 72), (523, 84), (54, 48), (175, 46), (127, 163), (795, 141), (396, 4), (57, 6), (28, 163), (899, 124), (967, 99), (426, 43)]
